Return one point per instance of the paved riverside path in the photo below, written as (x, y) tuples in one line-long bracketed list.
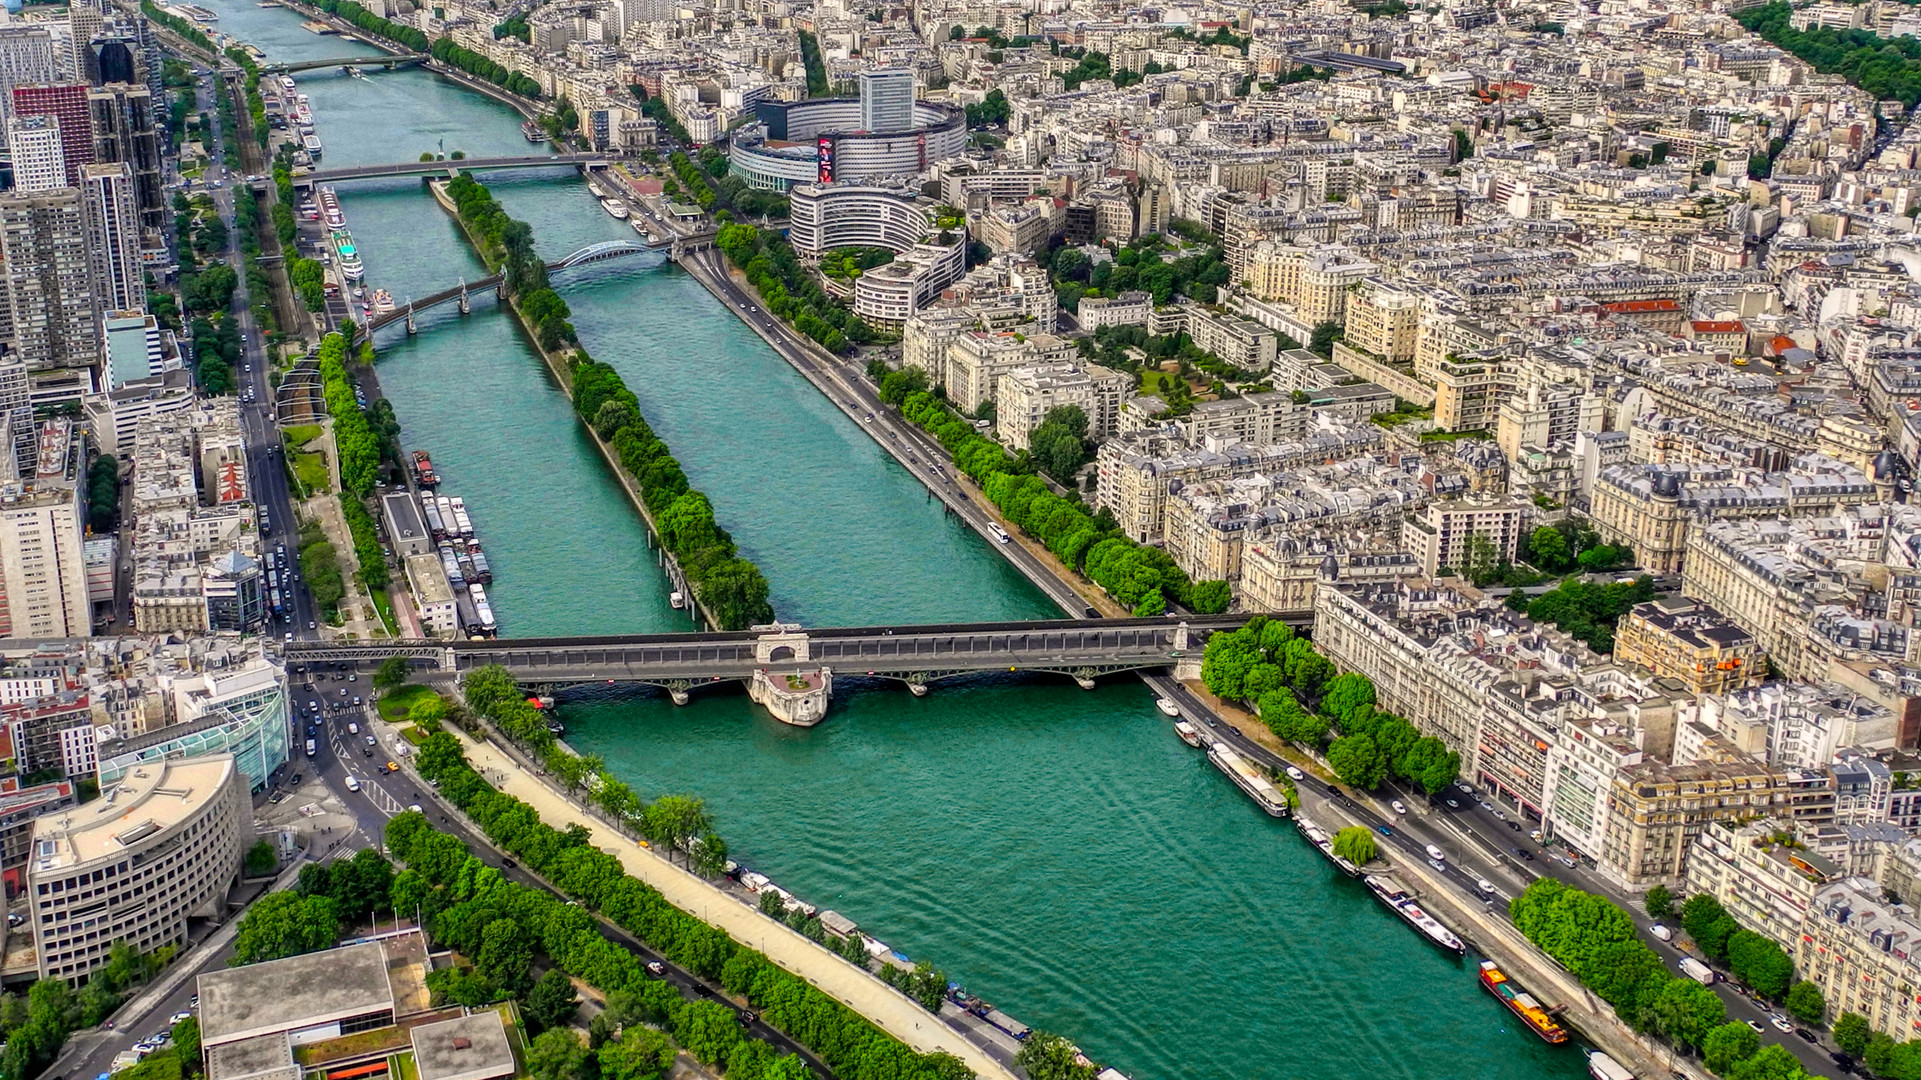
[(887, 1008)]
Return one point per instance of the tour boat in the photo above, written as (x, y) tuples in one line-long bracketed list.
[(1167, 707), (1187, 733)]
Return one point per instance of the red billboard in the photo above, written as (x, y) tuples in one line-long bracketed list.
[(824, 159)]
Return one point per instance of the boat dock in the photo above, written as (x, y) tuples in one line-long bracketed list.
[(320, 28)]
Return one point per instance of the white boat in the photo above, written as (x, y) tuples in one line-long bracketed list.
[(1602, 1067), (1167, 707), (676, 601), (614, 207), (1187, 733), (1402, 902), (1249, 779)]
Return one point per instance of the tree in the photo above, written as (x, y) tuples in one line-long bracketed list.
[(552, 1001), (1728, 1045), (708, 1030), (1321, 342), (1708, 923), (1046, 1056), (282, 924), (674, 820), (1549, 548), (1356, 845), (1760, 963), (505, 956), (1659, 902), (392, 674), (556, 1054), (186, 1041), (1851, 1033), (1771, 1062), (1686, 1011), (1358, 761), (640, 1054), (261, 859), (1805, 1001)]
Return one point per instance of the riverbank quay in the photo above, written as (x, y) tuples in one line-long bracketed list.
[(906, 444), (561, 371), (881, 1005), (1482, 923)]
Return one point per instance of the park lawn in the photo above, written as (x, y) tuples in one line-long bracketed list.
[(311, 471), (394, 705), (385, 606), (300, 434), (413, 734)]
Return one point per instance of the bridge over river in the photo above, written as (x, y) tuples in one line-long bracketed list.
[(790, 670)]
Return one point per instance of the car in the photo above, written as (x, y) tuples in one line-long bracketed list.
[(178, 1017), (1451, 804), (1295, 774), (14, 918), (310, 625), (1464, 786), (193, 1002), (1780, 1023), (656, 969), (1756, 1025), (393, 766), (371, 741), (1438, 865), (356, 700), (1806, 1035), (1661, 932), (746, 1017), (1515, 825), (1498, 816), (1384, 830), (1398, 806), (290, 635), (1485, 805), (353, 678), (294, 779), (1485, 886), (508, 864), (1534, 835), (1525, 854), (366, 751)]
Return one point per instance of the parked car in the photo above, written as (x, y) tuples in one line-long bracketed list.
[(1398, 806), (1661, 932), (656, 969)]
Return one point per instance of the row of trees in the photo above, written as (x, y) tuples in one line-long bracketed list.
[(103, 493), (509, 244), (1301, 699), (321, 569), (366, 20), (1138, 265), (439, 866), (1143, 578), (1571, 544), (788, 290), (1883, 67), (359, 451), (480, 67), (732, 587), (1752, 959)]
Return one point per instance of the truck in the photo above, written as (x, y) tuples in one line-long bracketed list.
[(311, 747), (1696, 970)]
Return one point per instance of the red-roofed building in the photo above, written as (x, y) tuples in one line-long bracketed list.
[(1663, 316), (1718, 335)]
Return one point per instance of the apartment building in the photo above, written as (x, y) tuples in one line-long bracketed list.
[(1383, 321), (43, 573), (1655, 508), (1689, 641), (1442, 533), (977, 359), (1025, 395), (1764, 878), (1864, 955), (1656, 810), (1243, 343)]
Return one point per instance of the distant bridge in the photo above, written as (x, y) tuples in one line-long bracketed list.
[(915, 655), (402, 60), (448, 167), (594, 253)]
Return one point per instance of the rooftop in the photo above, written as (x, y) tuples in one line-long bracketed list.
[(465, 1048), (294, 993), (148, 800)]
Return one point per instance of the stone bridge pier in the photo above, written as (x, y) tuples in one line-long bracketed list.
[(784, 682)]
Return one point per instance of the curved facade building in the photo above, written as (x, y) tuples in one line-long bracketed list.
[(822, 217), (163, 845), (823, 140)]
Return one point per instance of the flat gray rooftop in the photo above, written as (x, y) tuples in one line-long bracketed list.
[(263, 1057), (295, 993), (465, 1048)]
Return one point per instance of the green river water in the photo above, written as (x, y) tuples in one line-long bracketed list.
[(1056, 850)]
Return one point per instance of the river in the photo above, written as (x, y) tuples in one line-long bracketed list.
[(1056, 850)]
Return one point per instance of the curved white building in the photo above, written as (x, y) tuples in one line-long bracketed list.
[(822, 217), (887, 295), (824, 140), (133, 865)]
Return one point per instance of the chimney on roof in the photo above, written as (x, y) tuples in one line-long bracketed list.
[(462, 1042)]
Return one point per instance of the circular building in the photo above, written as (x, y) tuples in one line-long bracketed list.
[(825, 139)]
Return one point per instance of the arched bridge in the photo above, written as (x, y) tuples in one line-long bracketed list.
[(463, 292), (444, 168), (401, 60)]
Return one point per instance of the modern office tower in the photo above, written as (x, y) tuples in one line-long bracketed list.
[(887, 100), (122, 120), (113, 227), (38, 164), (28, 57), (52, 315), (66, 103)]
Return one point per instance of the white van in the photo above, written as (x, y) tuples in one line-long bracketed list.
[(353, 784), (1661, 932), (1436, 853), (353, 729)]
